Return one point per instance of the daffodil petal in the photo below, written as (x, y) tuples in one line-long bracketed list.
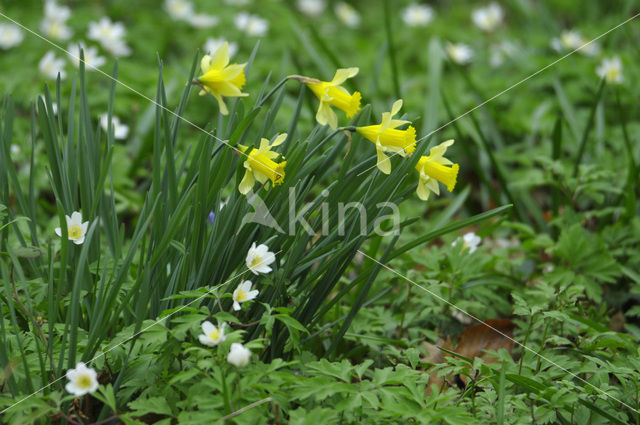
[(397, 105), (383, 162), (247, 182), (279, 140), (344, 74), (220, 58), (205, 64)]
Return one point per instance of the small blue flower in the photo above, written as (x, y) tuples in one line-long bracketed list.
[(212, 216)]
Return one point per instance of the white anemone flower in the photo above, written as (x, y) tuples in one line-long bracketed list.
[(53, 11), (252, 25), (76, 229), (82, 380), (54, 23), (459, 53), (110, 35), (180, 10), (211, 336), (120, 131), (213, 44), (417, 15), (501, 51), (488, 18), (347, 14), (91, 58), (50, 66), (611, 70), (259, 258), (572, 40), (10, 35), (243, 293), (105, 29), (470, 241), (55, 29), (118, 48), (312, 7), (201, 20), (238, 355)]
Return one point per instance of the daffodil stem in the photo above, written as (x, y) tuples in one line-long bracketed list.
[(272, 91), (349, 128), (326, 139)]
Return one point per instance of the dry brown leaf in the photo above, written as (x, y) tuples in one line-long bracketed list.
[(473, 342)]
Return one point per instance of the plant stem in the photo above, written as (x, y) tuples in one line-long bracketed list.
[(524, 344)]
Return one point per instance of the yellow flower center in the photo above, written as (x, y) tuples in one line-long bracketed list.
[(612, 74), (257, 260), (83, 381), (241, 295), (216, 334), (349, 103), (55, 30), (442, 173), (393, 138), (75, 231), (260, 162)]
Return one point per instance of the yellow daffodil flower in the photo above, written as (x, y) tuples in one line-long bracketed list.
[(434, 168), (221, 79), (260, 164), (333, 94), (388, 138)]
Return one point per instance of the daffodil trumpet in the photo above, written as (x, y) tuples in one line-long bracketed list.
[(388, 138), (331, 93), (434, 168), (260, 164)]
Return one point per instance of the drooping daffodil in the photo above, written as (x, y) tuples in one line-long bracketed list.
[(434, 168), (388, 138), (260, 164), (221, 79), (331, 93)]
